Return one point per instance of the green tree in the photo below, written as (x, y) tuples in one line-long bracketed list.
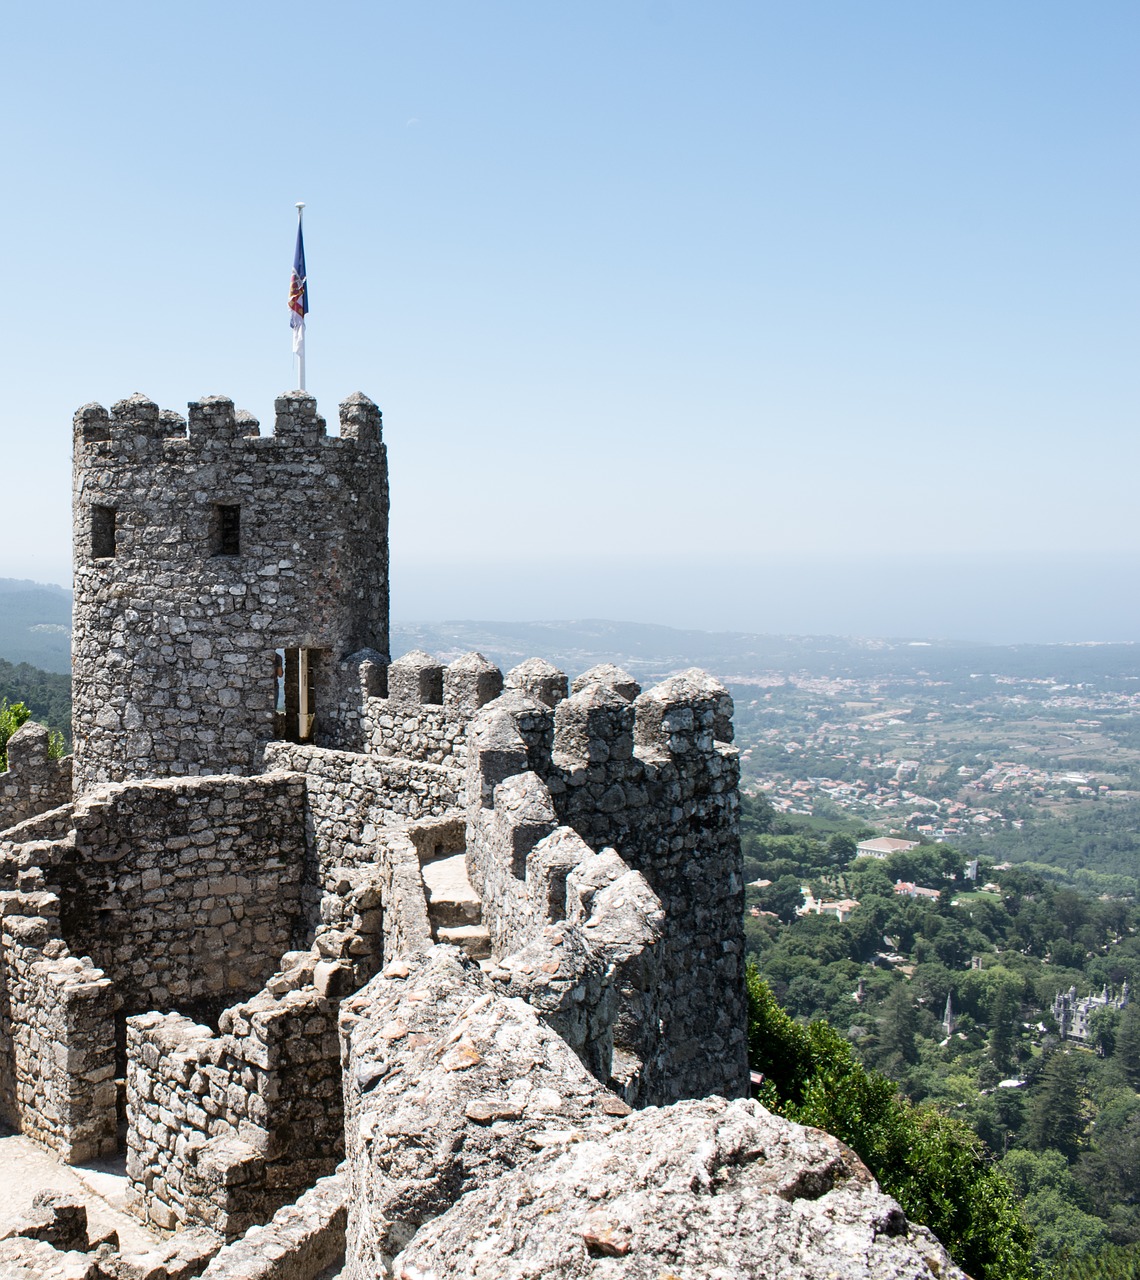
[(897, 1027), (1071, 910), (841, 849), (1110, 1172), (1127, 1051), (1103, 1026), (933, 1165), (1054, 1117), (1052, 1201), (1110, 1263), (1002, 1018), (783, 897)]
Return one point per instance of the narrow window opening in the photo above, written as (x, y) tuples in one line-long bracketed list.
[(227, 530), (295, 705), (102, 533)]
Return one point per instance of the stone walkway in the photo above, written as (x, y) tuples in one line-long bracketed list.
[(26, 1168)]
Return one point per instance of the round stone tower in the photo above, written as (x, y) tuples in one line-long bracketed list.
[(222, 578)]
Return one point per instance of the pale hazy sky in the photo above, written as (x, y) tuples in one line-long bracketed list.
[(633, 281)]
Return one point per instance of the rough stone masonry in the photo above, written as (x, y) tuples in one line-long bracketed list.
[(419, 966)]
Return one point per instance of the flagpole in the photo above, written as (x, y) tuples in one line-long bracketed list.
[(301, 349)]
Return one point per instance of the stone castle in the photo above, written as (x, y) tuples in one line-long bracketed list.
[(1072, 1013), (378, 959)]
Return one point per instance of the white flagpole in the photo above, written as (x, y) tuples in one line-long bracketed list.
[(299, 332)]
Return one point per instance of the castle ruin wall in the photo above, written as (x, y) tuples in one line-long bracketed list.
[(33, 783), (186, 891), (427, 707), (351, 796), (253, 775), (300, 1241), (657, 780), (224, 1128), (57, 1035), (52, 824)]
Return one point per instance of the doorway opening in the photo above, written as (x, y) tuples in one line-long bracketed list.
[(295, 707)]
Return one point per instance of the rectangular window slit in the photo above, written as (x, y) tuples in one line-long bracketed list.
[(227, 530), (102, 532)]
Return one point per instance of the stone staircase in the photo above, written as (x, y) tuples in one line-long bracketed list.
[(454, 909)]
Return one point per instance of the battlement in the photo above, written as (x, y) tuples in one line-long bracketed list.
[(653, 777), (137, 428), (602, 728)]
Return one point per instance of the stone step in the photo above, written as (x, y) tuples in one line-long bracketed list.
[(452, 903), (475, 939)]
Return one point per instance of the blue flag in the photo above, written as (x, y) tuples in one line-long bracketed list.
[(299, 285)]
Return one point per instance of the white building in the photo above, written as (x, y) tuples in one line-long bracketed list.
[(883, 846)]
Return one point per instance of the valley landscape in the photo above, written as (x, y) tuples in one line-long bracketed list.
[(1024, 759)]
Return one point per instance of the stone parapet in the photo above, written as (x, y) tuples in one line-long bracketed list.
[(657, 781), (224, 1128), (426, 707), (300, 1242), (57, 1036), (186, 891), (33, 783)]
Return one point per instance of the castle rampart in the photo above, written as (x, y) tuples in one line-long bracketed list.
[(57, 1035), (651, 779), (205, 555), (186, 891), (535, 886)]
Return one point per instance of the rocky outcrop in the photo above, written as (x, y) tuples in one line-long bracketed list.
[(706, 1190), (479, 1146), (448, 1086)]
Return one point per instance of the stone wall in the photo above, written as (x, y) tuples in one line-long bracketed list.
[(33, 783), (370, 821), (300, 1241), (544, 890), (57, 1035), (223, 1129), (428, 706), (656, 780), (201, 548), (519, 860), (186, 892), (350, 796), (50, 825)]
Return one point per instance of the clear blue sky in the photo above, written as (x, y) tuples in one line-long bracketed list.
[(645, 288)]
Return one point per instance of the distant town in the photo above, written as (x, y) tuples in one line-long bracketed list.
[(937, 757)]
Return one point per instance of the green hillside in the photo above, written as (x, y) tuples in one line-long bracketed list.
[(35, 624), (47, 694)]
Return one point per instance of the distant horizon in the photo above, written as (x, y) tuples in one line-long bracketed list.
[(655, 298), (999, 599)]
